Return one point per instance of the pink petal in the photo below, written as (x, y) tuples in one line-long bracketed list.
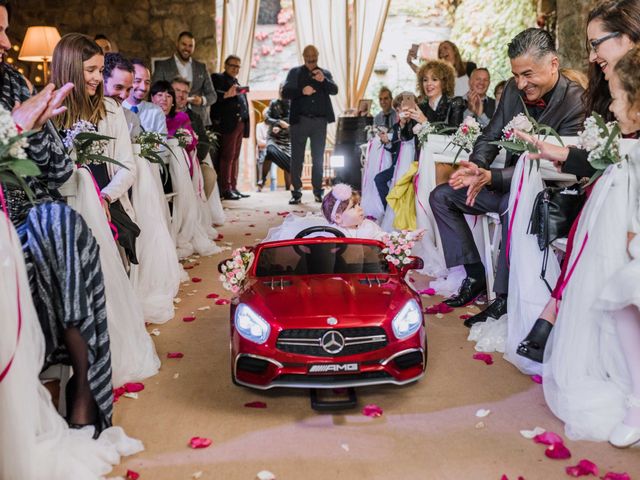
[(444, 308), (196, 279), (255, 405), (536, 378), (188, 319), (133, 387), (188, 267), (213, 295), (465, 316), (200, 442), (283, 214), (583, 468), (429, 291), (431, 310), (223, 301), (616, 476), (267, 211), (117, 393), (175, 355), (220, 236), (557, 451), (548, 438), (372, 410), (131, 475), (485, 357)]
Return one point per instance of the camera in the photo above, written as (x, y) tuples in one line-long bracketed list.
[(242, 90)]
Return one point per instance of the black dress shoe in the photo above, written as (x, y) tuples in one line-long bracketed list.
[(240, 194), (533, 346), (496, 309), (229, 195), (317, 198), (295, 201), (469, 291)]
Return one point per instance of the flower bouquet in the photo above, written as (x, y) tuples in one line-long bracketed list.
[(86, 145), (14, 163), (211, 141), (465, 136), (150, 143), (398, 246), (234, 271), (184, 137), (602, 140)]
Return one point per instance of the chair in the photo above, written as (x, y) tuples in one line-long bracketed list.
[(491, 242)]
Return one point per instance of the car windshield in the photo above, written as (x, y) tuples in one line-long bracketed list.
[(321, 258)]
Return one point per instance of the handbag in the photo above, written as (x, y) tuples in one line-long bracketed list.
[(554, 211)]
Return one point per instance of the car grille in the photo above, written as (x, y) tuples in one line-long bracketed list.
[(307, 341), (337, 379)]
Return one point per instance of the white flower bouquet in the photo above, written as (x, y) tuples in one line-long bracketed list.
[(14, 163), (423, 130), (602, 140), (465, 136), (234, 271), (150, 143), (184, 137), (86, 145), (398, 246), (212, 140)]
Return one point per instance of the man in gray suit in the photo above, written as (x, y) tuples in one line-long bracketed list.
[(476, 189), (181, 64)]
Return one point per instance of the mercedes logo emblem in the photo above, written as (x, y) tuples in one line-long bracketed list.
[(332, 321), (332, 342)]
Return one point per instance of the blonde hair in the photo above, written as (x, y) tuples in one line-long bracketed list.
[(627, 71), (67, 66), (458, 64), (442, 71)]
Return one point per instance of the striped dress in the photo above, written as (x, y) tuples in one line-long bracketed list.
[(61, 256)]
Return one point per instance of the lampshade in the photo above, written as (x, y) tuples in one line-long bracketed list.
[(38, 44)]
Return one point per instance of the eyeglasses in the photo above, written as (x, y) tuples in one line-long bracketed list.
[(594, 44), (233, 65)]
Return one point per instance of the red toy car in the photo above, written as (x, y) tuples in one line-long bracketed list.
[(326, 312)]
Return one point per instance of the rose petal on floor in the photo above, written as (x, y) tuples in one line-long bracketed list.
[(345, 447), (583, 468), (188, 319), (427, 291), (536, 378), (481, 413), (252, 225), (255, 405), (200, 442), (616, 476), (133, 387), (247, 234), (196, 279), (548, 438), (372, 410), (175, 355), (176, 375), (484, 357), (223, 301), (220, 236), (557, 451), (133, 396), (532, 433), (465, 316), (188, 267), (197, 474), (131, 475), (206, 307), (213, 295), (177, 300), (155, 332), (265, 475)]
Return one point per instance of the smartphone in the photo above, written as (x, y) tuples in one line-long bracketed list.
[(414, 50), (408, 103), (241, 90)]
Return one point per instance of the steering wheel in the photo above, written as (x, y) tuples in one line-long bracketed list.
[(320, 228)]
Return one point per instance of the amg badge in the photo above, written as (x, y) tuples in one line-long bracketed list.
[(334, 368)]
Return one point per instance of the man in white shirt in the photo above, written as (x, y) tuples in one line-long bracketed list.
[(181, 64), (151, 116), (479, 105)]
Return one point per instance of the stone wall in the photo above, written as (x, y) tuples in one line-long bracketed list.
[(571, 18), (140, 28)]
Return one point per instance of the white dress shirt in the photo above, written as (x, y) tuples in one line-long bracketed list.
[(151, 116), (184, 68)]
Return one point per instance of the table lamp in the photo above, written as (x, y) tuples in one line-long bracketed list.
[(38, 46)]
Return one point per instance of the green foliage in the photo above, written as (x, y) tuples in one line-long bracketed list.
[(483, 28)]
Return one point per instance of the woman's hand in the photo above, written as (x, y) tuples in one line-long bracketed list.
[(548, 151), (105, 206), (417, 115), (34, 112)]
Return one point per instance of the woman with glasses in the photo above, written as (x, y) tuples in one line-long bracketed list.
[(613, 28)]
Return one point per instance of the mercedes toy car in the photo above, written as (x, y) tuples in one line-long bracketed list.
[(326, 312)]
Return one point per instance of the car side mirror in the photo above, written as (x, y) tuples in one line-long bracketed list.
[(416, 263)]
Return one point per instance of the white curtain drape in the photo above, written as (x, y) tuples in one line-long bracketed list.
[(238, 28)]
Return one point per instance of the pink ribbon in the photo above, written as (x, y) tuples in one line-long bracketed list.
[(513, 214), (415, 189), (6, 369), (113, 228), (567, 277)]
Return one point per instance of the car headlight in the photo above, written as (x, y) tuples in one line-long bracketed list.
[(251, 325), (407, 321)]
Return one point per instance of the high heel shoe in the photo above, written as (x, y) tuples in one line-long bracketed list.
[(624, 436), (532, 347)]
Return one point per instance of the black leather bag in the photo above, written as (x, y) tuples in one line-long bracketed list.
[(128, 230), (554, 211)]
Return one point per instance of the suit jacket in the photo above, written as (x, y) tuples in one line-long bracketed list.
[(564, 113), (292, 90), (200, 85), (227, 112)]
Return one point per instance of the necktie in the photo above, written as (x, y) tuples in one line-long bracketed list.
[(536, 103), (135, 109), (387, 123)]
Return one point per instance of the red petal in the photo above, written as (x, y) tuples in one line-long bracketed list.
[(223, 301), (255, 405), (557, 451), (583, 468), (429, 291), (188, 319), (117, 393), (372, 410), (213, 295), (536, 378), (252, 225), (283, 214), (432, 310), (188, 267), (485, 357), (134, 387), (465, 316), (175, 355), (267, 211), (220, 236), (444, 308), (548, 438), (131, 475), (196, 279), (199, 442), (616, 476)]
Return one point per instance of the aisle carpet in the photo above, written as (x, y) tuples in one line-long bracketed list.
[(428, 430)]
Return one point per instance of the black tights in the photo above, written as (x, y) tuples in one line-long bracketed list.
[(81, 406)]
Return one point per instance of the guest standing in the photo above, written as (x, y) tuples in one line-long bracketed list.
[(308, 87)]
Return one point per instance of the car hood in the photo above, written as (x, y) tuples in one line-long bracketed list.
[(303, 300)]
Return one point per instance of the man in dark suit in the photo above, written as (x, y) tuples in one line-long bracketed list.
[(479, 105), (181, 64), (476, 189), (230, 118), (308, 87)]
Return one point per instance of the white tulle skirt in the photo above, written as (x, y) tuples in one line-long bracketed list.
[(133, 354), (378, 159), (585, 374), (218, 216), (156, 278), (35, 442)]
